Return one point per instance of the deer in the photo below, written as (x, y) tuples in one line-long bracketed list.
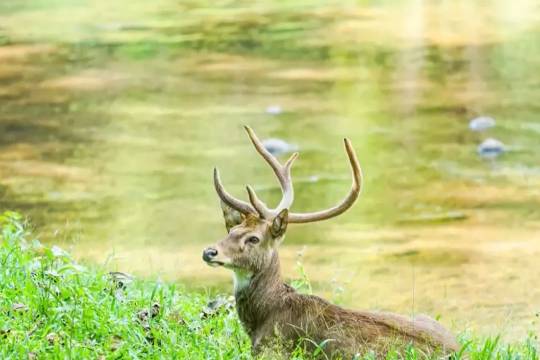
[(272, 312)]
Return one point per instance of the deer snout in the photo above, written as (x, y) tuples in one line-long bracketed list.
[(209, 254), (214, 256)]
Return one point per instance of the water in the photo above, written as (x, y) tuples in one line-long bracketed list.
[(113, 114)]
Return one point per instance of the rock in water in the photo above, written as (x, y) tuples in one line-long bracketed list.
[(481, 123), (278, 146), (274, 110), (491, 148)]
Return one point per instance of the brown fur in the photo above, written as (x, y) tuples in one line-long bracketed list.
[(271, 310)]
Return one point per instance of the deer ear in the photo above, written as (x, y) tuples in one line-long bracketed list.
[(232, 217), (279, 224)]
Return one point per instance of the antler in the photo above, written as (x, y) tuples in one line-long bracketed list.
[(346, 203), (283, 173), (228, 199)]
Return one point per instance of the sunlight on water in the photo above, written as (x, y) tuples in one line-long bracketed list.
[(113, 114)]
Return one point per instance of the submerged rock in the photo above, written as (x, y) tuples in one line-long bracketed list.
[(481, 123), (491, 148), (274, 110), (278, 146)]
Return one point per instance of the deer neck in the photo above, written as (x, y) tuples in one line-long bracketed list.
[(258, 295)]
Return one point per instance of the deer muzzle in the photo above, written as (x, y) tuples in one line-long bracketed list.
[(212, 257)]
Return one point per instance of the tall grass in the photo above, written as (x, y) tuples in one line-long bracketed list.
[(51, 307)]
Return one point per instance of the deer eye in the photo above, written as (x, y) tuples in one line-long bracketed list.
[(253, 240)]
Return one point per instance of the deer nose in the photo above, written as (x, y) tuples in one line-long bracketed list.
[(209, 253)]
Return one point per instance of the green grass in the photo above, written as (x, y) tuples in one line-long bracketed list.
[(53, 308)]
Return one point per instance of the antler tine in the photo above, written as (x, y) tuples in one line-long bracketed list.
[(345, 203), (288, 190), (282, 172), (258, 204), (230, 200)]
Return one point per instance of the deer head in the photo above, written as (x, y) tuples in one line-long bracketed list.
[(254, 230)]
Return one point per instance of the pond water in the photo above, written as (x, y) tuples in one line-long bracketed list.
[(113, 114)]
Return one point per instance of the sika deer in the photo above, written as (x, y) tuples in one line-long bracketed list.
[(271, 311)]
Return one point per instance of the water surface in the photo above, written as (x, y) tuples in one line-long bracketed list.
[(112, 115)]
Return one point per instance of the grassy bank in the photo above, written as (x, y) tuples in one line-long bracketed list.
[(53, 308)]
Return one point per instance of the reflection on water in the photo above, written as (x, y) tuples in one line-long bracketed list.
[(113, 116)]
